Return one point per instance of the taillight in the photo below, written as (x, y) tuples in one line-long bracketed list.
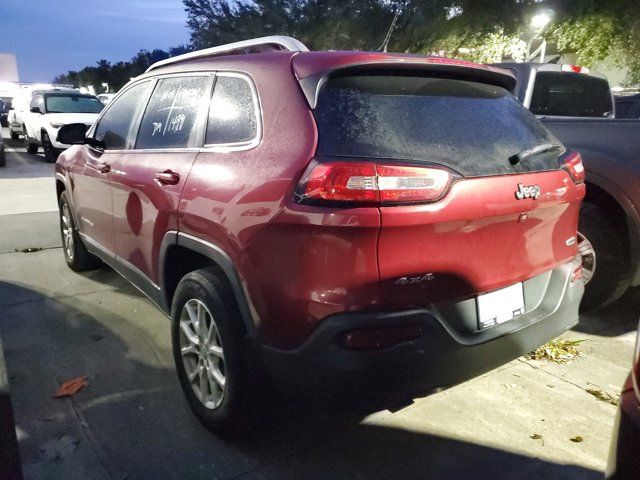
[(362, 182), (575, 69), (572, 163)]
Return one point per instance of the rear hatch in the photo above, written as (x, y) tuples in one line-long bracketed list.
[(466, 205)]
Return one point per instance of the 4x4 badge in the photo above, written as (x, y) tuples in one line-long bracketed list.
[(529, 191)]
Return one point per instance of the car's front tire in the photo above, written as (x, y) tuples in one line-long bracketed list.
[(209, 350), (50, 153), (76, 254), (29, 145)]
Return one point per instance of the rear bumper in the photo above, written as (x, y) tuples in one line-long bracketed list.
[(448, 353)]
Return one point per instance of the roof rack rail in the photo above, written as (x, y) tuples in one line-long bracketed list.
[(266, 44)]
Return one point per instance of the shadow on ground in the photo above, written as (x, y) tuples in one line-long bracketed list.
[(21, 164), (132, 422)]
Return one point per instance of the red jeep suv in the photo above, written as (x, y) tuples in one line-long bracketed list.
[(341, 217)]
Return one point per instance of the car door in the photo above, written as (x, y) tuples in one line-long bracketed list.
[(91, 191), (147, 180), (32, 120)]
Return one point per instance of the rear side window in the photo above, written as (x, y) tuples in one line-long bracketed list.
[(470, 127), (116, 123), (170, 118), (233, 116), (571, 95)]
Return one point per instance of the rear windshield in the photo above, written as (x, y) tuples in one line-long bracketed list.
[(60, 103), (471, 127), (571, 95)]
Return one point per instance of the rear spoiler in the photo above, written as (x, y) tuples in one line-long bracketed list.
[(444, 67)]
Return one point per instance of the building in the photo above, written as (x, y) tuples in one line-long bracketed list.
[(8, 68)]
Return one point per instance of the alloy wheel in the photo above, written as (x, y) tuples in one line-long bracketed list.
[(588, 254), (202, 353), (67, 231)]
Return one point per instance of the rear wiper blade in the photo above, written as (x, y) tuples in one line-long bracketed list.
[(532, 152)]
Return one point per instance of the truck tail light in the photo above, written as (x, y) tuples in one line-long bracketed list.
[(575, 69), (364, 182), (572, 163)]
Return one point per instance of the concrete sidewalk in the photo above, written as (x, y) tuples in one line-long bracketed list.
[(132, 422)]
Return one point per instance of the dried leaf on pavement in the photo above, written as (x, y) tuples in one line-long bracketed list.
[(557, 351), (71, 387), (604, 396), (577, 439)]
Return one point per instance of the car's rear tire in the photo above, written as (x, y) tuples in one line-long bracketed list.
[(3, 158), (607, 265), (76, 254), (50, 153), (210, 352), (14, 135)]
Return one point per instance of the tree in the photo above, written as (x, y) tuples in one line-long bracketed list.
[(116, 75), (481, 30)]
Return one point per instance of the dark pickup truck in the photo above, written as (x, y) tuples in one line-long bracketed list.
[(577, 107)]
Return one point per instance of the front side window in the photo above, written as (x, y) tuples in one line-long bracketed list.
[(170, 118), (233, 116), (38, 102), (115, 125), (63, 103)]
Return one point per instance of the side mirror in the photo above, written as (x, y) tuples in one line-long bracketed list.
[(36, 110), (73, 134)]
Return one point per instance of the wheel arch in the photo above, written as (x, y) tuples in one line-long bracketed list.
[(189, 253), (625, 213), (60, 187)]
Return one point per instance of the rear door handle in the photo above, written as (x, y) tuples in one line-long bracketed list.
[(167, 177)]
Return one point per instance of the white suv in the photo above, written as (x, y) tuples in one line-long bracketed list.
[(48, 111), (19, 111)]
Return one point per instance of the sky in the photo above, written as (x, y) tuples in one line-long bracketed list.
[(50, 37)]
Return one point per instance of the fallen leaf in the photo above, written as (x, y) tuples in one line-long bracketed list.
[(558, 351), (59, 447), (577, 439), (604, 396), (536, 436), (71, 387)]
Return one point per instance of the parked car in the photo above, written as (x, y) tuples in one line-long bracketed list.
[(20, 108), (576, 105), (628, 106), (105, 98), (332, 218), (5, 106), (624, 456), (50, 110)]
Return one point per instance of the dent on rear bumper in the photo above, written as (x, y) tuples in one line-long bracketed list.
[(444, 356)]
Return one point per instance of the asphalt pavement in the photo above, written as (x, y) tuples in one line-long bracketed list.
[(131, 421)]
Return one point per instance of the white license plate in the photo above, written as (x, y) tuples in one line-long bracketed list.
[(500, 306)]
